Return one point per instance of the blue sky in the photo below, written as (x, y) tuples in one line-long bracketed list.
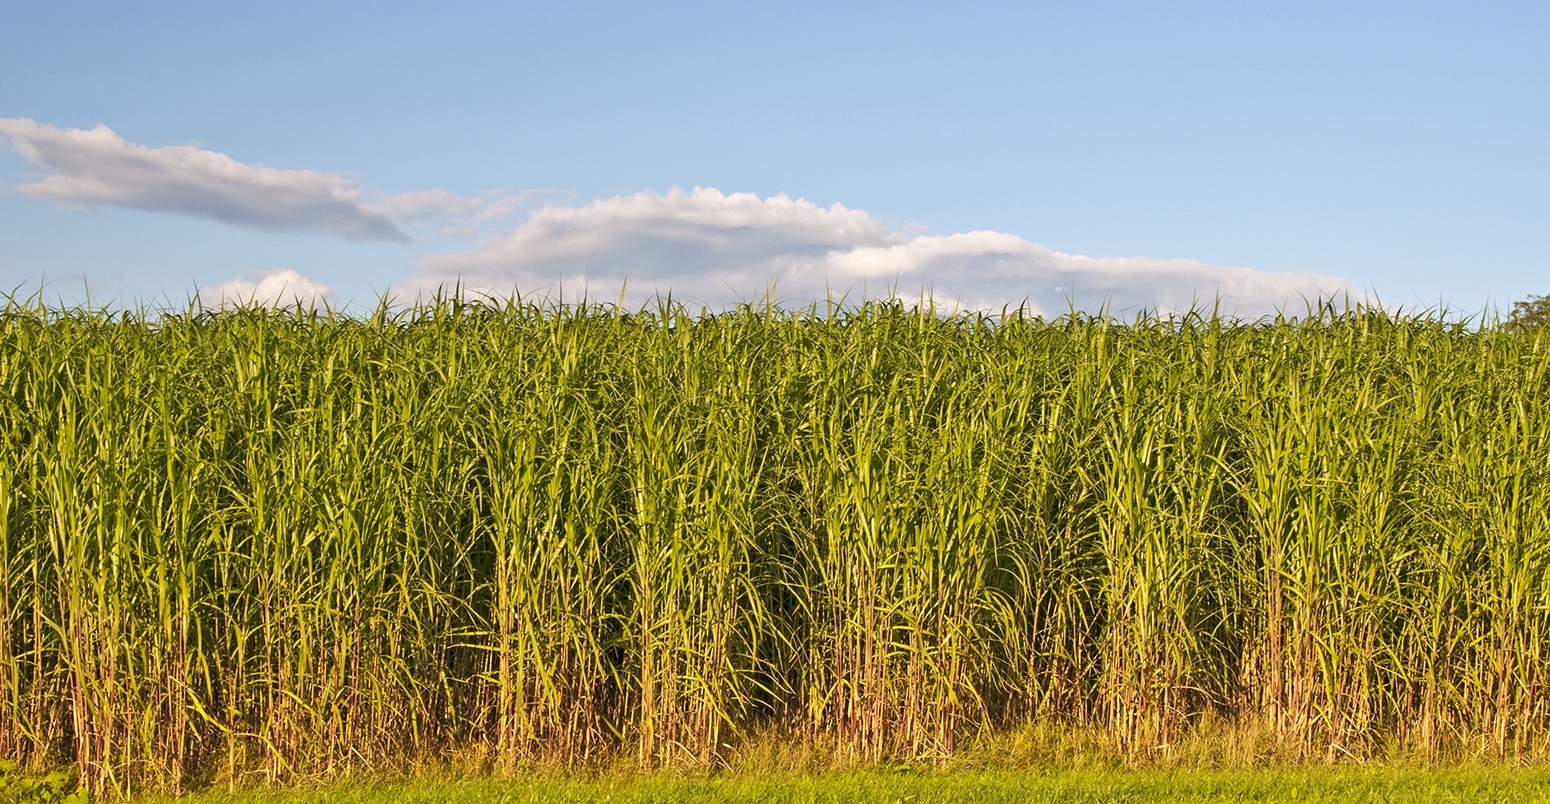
[(1140, 154)]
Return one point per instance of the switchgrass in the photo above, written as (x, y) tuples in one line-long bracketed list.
[(252, 546)]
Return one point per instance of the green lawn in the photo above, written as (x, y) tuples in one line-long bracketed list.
[(1346, 786)]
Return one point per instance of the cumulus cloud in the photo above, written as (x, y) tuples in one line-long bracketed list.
[(97, 167), (275, 288), (708, 247)]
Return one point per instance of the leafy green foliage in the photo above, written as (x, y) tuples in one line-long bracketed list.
[(56, 787), (1531, 313)]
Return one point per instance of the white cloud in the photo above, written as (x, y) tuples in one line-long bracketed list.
[(275, 288), (707, 247), (97, 167), (702, 246), (427, 204)]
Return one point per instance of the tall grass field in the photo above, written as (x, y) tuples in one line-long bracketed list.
[(259, 546)]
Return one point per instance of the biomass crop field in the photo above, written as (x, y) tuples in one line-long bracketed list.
[(247, 547)]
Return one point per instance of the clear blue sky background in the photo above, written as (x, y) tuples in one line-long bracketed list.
[(1401, 146)]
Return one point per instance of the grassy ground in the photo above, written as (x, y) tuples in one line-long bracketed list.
[(1347, 786)]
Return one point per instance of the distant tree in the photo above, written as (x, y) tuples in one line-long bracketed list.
[(1530, 313)]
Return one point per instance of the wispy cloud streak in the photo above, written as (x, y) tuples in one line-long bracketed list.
[(96, 167)]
